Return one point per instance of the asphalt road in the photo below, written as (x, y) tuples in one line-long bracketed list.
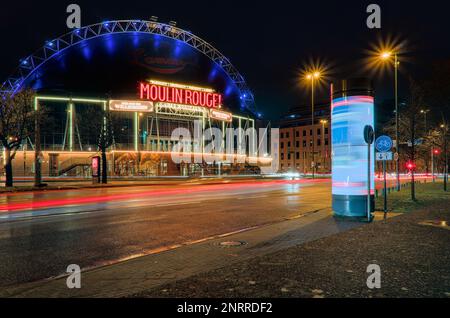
[(41, 233)]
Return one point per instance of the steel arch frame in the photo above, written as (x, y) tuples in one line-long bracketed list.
[(29, 64)]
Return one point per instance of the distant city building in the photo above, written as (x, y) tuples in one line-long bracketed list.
[(297, 135)]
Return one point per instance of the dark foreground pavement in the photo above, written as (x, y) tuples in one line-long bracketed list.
[(414, 259)]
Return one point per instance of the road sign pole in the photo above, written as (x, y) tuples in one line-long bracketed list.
[(369, 136), (368, 182), (384, 190)]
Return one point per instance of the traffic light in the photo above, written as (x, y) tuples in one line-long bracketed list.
[(410, 165), (436, 151)]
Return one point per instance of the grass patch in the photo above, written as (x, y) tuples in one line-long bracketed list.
[(426, 194)]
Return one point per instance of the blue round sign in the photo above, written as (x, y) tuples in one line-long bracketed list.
[(383, 143)]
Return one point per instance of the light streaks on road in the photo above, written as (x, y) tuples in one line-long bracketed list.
[(78, 197)]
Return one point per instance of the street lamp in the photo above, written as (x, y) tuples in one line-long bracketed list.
[(323, 122), (444, 128), (424, 112), (313, 76), (433, 153), (385, 56)]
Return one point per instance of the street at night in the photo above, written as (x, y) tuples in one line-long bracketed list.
[(224, 158), (114, 226)]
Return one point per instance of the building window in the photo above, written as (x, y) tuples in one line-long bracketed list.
[(289, 156), (297, 133), (304, 143), (326, 130), (297, 156), (282, 135), (289, 144), (281, 145), (287, 135), (304, 133), (311, 143), (310, 132), (318, 131), (326, 141), (319, 142), (282, 157), (297, 144)]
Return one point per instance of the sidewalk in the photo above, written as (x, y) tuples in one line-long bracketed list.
[(414, 258), (171, 263)]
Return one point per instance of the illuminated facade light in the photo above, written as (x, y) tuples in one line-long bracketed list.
[(220, 115), (179, 94)]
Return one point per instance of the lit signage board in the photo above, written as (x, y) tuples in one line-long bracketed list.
[(131, 106), (157, 91), (220, 115), (349, 115)]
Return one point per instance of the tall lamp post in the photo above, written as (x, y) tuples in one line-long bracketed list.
[(444, 133), (313, 77), (425, 112), (323, 122), (433, 152), (385, 56)]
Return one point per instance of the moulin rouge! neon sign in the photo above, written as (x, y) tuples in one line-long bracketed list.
[(179, 94)]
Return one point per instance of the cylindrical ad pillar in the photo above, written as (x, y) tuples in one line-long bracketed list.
[(352, 109)]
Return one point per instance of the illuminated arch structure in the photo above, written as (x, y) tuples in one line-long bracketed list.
[(51, 49), (105, 61)]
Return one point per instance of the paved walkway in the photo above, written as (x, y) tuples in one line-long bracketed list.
[(178, 262), (413, 255)]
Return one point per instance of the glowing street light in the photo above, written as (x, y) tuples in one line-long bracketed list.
[(424, 112), (383, 56), (323, 122), (313, 76)]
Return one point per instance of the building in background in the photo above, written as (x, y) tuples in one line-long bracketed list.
[(296, 139)]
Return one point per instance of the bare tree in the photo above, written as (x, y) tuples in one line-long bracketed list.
[(98, 121), (410, 126), (438, 97), (16, 120)]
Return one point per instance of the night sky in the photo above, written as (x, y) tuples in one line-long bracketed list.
[(268, 43)]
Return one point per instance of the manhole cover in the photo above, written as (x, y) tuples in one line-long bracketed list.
[(232, 243), (438, 223)]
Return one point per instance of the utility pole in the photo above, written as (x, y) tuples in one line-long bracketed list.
[(396, 120), (312, 124)]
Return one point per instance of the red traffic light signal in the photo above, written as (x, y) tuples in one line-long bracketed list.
[(436, 151), (410, 165)]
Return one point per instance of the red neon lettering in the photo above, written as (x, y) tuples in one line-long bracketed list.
[(202, 99), (170, 94), (187, 97), (162, 93), (195, 98), (209, 101), (154, 92), (215, 105), (144, 89), (220, 99), (178, 96)]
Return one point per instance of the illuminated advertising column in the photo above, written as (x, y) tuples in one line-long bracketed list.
[(352, 108)]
